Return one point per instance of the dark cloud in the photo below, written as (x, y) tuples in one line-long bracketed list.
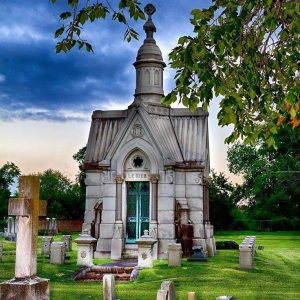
[(36, 83)]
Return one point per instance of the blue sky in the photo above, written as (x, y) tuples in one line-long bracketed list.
[(46, 99)]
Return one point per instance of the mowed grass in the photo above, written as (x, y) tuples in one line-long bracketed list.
[(276, 273)]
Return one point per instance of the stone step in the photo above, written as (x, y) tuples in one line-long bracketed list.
[(96, 273), (127, 256)]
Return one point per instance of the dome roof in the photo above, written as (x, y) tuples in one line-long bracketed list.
[(149, 51)]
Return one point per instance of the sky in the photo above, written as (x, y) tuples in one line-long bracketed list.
[(46, 99)]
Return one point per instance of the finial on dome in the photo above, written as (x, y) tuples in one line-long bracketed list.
[(149, 26), (149, 10)]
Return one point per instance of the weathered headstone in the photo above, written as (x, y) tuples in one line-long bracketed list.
[(162, 295), (145, 250), (170, 288), (11, 229), (1, 251), (117, 242), (109, 287), (47, 230), (191, 296), (67, 239), (27, 208), (57, 253), (247, 252), (174, 255), (85, 249), (46, 245), (52, 226)]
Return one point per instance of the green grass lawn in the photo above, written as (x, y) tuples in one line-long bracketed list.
[(276, 273)]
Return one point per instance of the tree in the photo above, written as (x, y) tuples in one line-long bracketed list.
[(64, 198), (271, 178), (244, 51), (8, 173), (79, 157), (82, 12), (221, 201)]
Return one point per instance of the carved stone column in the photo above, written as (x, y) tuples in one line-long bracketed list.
[(153, 226), (119, 181), (205, 200), (117, 241), (154, 183)]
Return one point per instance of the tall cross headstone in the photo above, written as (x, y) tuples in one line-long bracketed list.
[(27, 208)]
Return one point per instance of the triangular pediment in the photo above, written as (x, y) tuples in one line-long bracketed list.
[(135, 131)]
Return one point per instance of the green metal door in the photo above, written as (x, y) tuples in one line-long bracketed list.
[(137, 210)]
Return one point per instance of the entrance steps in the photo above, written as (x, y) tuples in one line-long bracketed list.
[(130, 252), (122, 270)]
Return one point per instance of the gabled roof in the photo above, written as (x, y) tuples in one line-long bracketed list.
[(179, 135)]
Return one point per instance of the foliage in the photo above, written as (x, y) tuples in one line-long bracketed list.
[(227, 245), (63, 196), (79, 157), (82, 12), (271, 179), (275, 275), (8, 173), (246, 52), (221, 201)]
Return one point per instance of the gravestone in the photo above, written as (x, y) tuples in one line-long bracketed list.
[(145, 250), (170, 288), (85, 249), (109, 287), (162, 295), (27, 208), (11, 234), (47, 230), (1, 251), (46, 245), (174, 255), (57, 253), (67, 239), (247, 252), (191, 296), (53, 226)]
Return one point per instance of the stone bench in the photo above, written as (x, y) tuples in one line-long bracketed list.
[(247, 252)]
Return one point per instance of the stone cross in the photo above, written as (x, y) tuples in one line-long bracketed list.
[(27, 208)]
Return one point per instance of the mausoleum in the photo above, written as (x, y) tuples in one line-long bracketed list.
[(147, 166)]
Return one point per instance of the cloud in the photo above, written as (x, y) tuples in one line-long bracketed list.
[(36, 83)]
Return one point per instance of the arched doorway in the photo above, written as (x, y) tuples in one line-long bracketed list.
[(138, 202), (137, 181)]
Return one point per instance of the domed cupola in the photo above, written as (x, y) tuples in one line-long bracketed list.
[(149, 65)]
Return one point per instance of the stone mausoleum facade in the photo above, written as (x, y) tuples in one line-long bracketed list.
[(147, 166)]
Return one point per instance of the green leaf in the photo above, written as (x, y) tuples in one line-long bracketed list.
[(65, 15), (59, 31), (83, 17), (88, 47), (73, 3), (252, 94)]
